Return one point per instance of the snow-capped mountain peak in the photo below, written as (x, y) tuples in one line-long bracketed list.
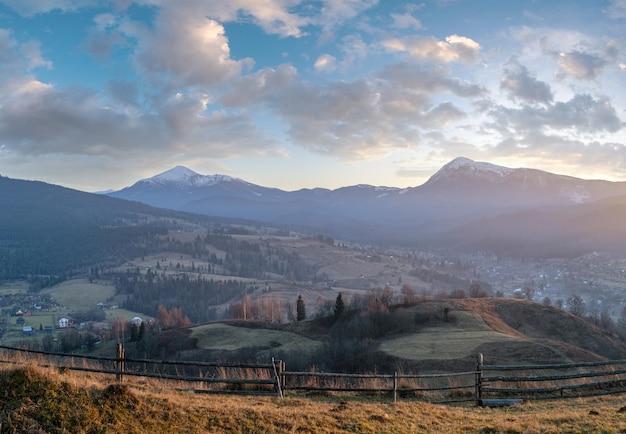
[(471, 167), (181, 175), (176, 174)]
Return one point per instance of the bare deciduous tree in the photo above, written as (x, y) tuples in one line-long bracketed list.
[(576, 305)]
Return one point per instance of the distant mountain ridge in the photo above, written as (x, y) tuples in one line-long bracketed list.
[(463, 192)]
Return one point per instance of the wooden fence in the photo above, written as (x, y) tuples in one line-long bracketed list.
[(488, 385), (204, 377), (502, 383)]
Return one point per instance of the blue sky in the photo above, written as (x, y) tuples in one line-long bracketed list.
[(96, 94)]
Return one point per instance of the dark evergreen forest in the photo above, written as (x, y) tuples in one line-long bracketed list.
[(49, 233), (197, 295)]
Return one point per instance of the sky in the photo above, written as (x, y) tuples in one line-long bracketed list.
[(97, 94)]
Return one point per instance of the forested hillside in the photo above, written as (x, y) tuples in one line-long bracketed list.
[(48, 233), (171, 284)]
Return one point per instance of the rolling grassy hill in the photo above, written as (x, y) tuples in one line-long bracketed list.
[(426, 336)]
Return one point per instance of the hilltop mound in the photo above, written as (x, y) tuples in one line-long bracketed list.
[(441, 335), (506, 331)]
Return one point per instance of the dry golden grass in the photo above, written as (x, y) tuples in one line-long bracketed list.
[(454, 341), (227, 337), (43, 400), (80, 294), (14, 287)]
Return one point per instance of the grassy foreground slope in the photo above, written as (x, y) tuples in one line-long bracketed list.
[(36, 401)]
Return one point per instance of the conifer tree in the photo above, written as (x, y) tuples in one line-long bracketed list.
[(339, 306), (300, 309)]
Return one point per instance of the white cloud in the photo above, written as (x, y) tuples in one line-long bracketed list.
[(429, 80), (454, 49), (616, 9), (255, 88), (580, 65), (16, 65), (520, 85), (37, 119), (184, 49), (272, 16), (558, 154), (575, 54), (367, 119), (406, 21), (31, 51), (8, 56), (326, 62), (45, 121), (336, 12), (33, 7), (580, 115), (125, 93), (190, 96)]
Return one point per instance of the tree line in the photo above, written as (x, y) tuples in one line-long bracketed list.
[(197, 297)]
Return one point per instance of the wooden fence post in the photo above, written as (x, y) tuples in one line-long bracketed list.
[(120, 362), (479, 380), (278, 373), (283, 378), (395, 387)]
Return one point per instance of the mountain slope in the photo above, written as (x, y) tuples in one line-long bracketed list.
[(461, 193), (564, 231), (54, 231), (465, 180)]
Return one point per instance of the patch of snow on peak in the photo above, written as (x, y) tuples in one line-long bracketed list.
[(212, 179), (183, 176), (386, 189), (475, 167), (178, 173)]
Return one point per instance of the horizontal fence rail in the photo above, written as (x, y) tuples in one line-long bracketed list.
[(549, 381), (451, 387), (207, 377), (488, 385)]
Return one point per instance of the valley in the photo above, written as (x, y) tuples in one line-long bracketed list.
[(259, 276), (395, 300)]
